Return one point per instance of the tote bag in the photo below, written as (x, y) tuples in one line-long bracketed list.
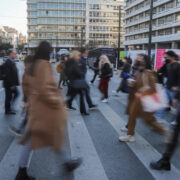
[(156, 101)]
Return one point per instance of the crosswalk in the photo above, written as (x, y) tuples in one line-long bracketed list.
[(95, 139)]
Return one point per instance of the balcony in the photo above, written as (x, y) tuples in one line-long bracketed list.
[(155, 16), (156, 39), (147, 7), (134, 4), (155, 28)]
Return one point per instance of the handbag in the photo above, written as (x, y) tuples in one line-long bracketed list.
[(58, 68), (155, 101), (79, 84)]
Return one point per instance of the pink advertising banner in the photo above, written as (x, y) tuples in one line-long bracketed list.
[(159, 58)]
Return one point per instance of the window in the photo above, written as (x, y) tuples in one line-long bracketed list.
[(162, 8)]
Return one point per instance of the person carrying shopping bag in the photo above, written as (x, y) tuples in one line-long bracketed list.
[(139, 90)]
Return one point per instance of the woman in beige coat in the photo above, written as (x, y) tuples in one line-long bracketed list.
[(47, 115), (139, 89)]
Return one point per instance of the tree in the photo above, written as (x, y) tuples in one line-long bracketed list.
[(5, 46)]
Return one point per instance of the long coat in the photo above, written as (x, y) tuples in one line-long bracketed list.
[(139, 88), (47, 114), (11, 74)]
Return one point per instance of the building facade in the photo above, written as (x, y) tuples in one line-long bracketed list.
[(73, 23), (3, 36), (22, 40), (12, 34), (165, 24)]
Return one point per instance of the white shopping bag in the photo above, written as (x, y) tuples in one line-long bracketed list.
[(156, 101)]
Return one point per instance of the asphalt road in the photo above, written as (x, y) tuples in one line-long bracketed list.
[(95, 139)]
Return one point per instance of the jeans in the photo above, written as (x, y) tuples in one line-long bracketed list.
[(170, 95), (88, 98), (10, 97), (103, 86), (171, 147), (82, 101)]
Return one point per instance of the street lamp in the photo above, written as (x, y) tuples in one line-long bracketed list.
[(82, 29), (119, 38), (150, 29)]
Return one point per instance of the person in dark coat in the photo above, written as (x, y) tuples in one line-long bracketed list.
[(96, 70), (164, 162), (75, 76), (83, 68), (162, 73), (10, 82), (106, 73), (126, 69), (83, 63)]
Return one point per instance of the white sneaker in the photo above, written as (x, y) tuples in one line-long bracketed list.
[(174, 123), (127, 138), (115, 93), (105, 101), (124, 129)]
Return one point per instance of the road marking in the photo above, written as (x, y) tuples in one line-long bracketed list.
[(81, 145), (9, 163), (141, 148)]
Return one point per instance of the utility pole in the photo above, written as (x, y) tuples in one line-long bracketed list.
[(82, 30), (150, 29), (119, 38)]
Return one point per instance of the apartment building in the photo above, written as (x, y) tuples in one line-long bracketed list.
[(165, 24), (71, 23)]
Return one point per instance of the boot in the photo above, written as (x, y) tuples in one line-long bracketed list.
[(161, 165), (22, 175), (72, 164)]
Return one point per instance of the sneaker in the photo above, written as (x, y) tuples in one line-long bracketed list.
[(93, 107), (124, 129), (174, 123), (71, 108), (15, 131), (105, 101), (115, 93), (72, 164), (127, 138), (161, 165)]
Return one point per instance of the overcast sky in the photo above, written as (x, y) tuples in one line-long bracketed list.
[(13, 14)]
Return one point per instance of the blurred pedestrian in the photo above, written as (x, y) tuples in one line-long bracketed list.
[(63, 78), (83, 68), (125, 74), (164, 162), (77, 84), (47, 116), (143, 72), (20, 128), (172, 75), (106, 72), (10, 82), (96, 70)]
